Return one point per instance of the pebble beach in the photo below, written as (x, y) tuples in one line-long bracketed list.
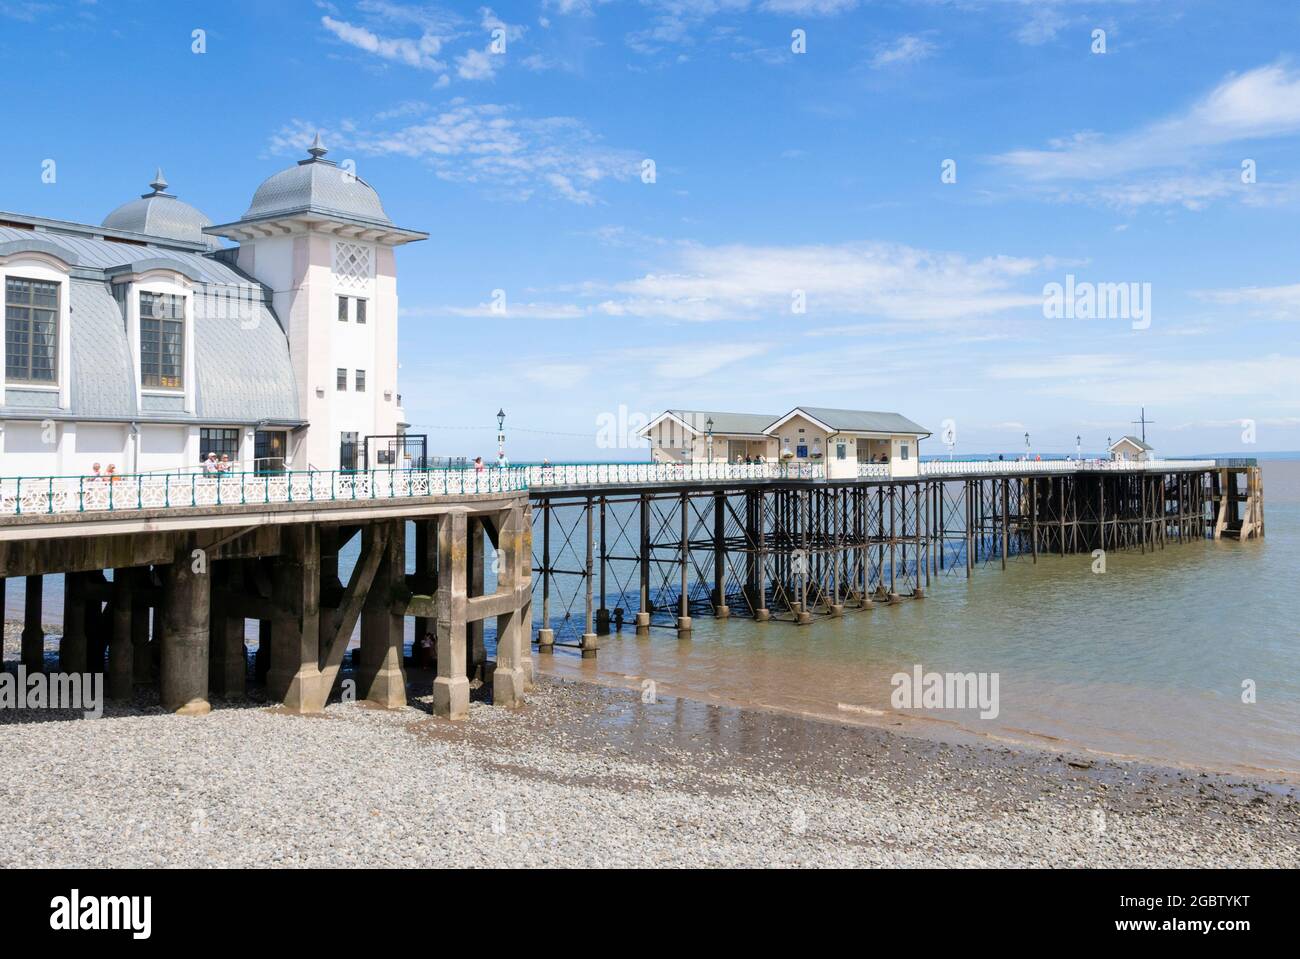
[(588, 775)]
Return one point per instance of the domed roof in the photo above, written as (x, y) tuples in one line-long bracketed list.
[(161, 214), (320, 185)]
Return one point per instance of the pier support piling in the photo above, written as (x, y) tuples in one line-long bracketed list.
[(451, 686), (186, 599), (121, 651), (294, 676), (33, 638)]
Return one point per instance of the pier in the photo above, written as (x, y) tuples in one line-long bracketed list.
[(551, 555), (643, 547)]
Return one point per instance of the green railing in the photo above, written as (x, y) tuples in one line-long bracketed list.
[(27, 495)]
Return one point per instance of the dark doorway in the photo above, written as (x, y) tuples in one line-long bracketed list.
[(401, 451), (268, 451), (347, 451)]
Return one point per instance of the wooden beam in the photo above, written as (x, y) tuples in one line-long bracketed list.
[(363, 574)]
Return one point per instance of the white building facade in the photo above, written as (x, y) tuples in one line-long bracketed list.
[(141, 344)]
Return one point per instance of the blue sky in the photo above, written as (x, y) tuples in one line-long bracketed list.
[(779, 177)]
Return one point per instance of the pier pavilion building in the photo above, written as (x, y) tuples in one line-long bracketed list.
[(145, 343), (841, 439), (1131, 448)]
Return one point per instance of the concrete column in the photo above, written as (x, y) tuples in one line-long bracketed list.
[(451, 687), (142, 658), (474, 555), (186, 601), (72, 647), (121, 652), (262, 658), (228, 659), (381, 674), (33, 641), (508, 679), (294, 673)]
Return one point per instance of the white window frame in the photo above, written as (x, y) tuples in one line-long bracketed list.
[(168, 284), (45, 269)]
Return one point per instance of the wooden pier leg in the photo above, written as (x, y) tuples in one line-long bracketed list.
[(838, 516), (803, 517), (970, 521), (1033, 514), (920, 535), (684, 605), (643, 568), (1060, 481), (186, 602), (602, 611), (761, 613), (33, 638), (590, 641), (720, 607), (864, 538), (1005, 519), (72, 647), (121, 652), (381, 673), (451, 687), (294, 674), (893, 543), (546, 635)]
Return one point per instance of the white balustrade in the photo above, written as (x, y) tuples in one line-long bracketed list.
[(90, 494)]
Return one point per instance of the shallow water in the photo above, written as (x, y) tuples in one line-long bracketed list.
[(1146, 660)]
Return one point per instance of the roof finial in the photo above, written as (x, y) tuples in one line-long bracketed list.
[(317, 149), (159, 183)]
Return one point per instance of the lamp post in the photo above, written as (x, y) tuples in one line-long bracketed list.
[(1078, 448), (1026, 446), (501, 437), (708, 438)]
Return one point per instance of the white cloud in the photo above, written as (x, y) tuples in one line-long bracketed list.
[(514, 311), (906, 49), (421, 53), (477, 65), (1264, 102), (1279, 302), (810, 8), (486, 144), (882, 281)]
